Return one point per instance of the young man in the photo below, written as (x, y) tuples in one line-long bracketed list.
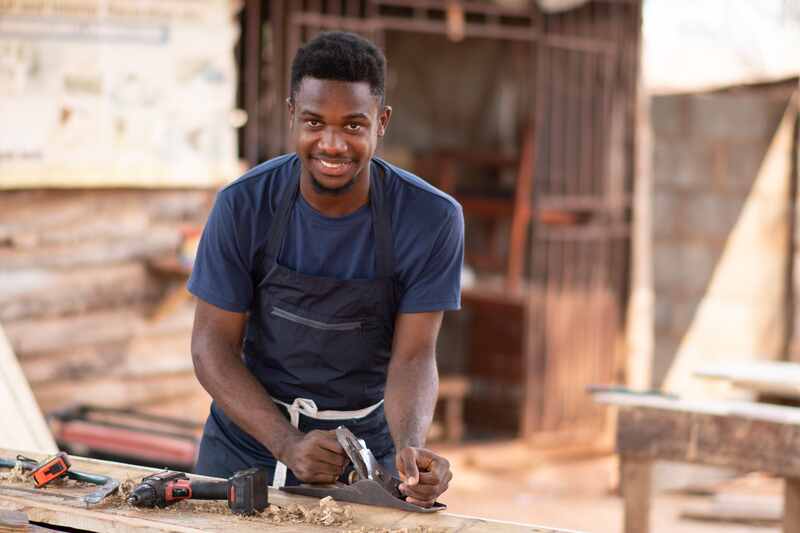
[(321, 280)]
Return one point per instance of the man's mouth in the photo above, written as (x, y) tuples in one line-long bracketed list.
[(332, 167)]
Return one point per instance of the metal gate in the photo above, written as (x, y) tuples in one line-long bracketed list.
[(584, 94)]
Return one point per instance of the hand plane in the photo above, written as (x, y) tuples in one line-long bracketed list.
[(373, 485)]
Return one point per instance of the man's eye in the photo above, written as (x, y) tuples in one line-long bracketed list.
[(312, 123), (353, 126)]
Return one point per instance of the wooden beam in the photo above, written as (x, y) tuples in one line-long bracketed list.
[(36, 292), (791, 506), (637, 487), (21, 421)]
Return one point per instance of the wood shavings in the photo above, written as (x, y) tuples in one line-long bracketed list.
[(419, 529), (328, 513), (15, 475), (118, 499)]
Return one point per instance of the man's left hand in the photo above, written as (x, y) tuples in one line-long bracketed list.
[(424, 474)]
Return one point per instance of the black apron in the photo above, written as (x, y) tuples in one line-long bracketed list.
[(321, 339)]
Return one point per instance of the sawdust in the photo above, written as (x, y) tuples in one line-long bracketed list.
[(118, 499), (15, 475), (418, 529), (328, 513)]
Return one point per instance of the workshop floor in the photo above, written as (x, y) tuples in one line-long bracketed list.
[(506, 481)]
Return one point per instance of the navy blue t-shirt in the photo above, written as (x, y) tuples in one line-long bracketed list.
[(427, 232)]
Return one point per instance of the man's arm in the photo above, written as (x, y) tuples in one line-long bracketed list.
[(411, 389), (216, 348)]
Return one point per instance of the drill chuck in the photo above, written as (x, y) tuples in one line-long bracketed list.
[(143, 496)]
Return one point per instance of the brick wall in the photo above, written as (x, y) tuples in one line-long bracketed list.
[(708, 148)]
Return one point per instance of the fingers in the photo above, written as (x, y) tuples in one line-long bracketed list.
[(328, 440), (432, 478), (406, 462), (316, 459)]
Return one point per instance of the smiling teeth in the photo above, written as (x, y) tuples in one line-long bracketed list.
[(330, 165)]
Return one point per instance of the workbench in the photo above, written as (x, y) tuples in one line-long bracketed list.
[(742, 435), (61, 506)]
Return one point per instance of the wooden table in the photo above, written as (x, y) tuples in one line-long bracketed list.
[(61, 506), (741, 435)]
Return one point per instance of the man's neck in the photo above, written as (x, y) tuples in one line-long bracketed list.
[(336, 205)]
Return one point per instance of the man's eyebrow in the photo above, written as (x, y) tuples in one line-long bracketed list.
[(357, 115), (310, 113)]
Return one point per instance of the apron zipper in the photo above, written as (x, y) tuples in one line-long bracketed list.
[(343, 326)]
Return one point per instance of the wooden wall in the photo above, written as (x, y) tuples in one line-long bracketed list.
[(77, 295)]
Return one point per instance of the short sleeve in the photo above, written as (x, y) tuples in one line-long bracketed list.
[(221, 272), (437, 285)]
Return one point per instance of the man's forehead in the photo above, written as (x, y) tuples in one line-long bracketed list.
[(315, 92)]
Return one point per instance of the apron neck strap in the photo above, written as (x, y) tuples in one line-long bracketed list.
[(381, 222)]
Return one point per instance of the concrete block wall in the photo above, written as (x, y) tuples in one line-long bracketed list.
[(707, 150)]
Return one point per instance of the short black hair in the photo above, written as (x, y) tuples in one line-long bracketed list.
[(340, 56)]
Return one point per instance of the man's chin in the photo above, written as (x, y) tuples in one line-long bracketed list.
[(338, 190)]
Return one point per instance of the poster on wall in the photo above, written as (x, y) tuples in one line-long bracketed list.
[(117, 93)]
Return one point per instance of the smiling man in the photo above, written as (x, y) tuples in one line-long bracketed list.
[(321, 280)]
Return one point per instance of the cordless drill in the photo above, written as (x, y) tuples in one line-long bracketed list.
[(245, 491)]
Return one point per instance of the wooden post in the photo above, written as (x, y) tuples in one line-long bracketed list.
[(791, 505), (636, 488)]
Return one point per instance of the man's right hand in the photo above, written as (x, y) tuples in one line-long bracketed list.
[(316, 457)]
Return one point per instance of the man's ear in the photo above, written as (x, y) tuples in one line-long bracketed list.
[(290, 107), (383, 120)]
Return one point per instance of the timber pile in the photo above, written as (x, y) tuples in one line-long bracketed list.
[(76, 296)]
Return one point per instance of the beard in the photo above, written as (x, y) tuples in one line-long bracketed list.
[(333, 191)]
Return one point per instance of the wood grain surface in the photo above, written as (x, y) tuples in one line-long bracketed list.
[(61, 506)]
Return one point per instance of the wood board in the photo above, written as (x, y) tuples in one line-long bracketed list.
[(61, 506), (21, 420), (779, 378)]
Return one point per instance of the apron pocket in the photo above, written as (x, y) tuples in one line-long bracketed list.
[(319, 349), (316, 324)]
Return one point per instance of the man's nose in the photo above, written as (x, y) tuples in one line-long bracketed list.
[(332, 142)]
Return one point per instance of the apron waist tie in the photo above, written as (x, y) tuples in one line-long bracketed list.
[(309, 408)]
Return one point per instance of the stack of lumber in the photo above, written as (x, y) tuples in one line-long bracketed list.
[(76, 297)]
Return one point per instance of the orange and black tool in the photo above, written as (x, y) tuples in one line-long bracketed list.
[(50, 469), (246, 491)]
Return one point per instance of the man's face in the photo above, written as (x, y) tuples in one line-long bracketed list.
[(335, 127)]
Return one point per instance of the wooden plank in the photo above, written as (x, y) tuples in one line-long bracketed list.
[(126, 391), (778, 378), (741, 409), (21, 422), (142, 356), (39, 292), (13, 521), (755, 437), (62, 506), (750, 509), (53, 334), (54, 216), (791, 506), (637, 487), (94, 251)]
